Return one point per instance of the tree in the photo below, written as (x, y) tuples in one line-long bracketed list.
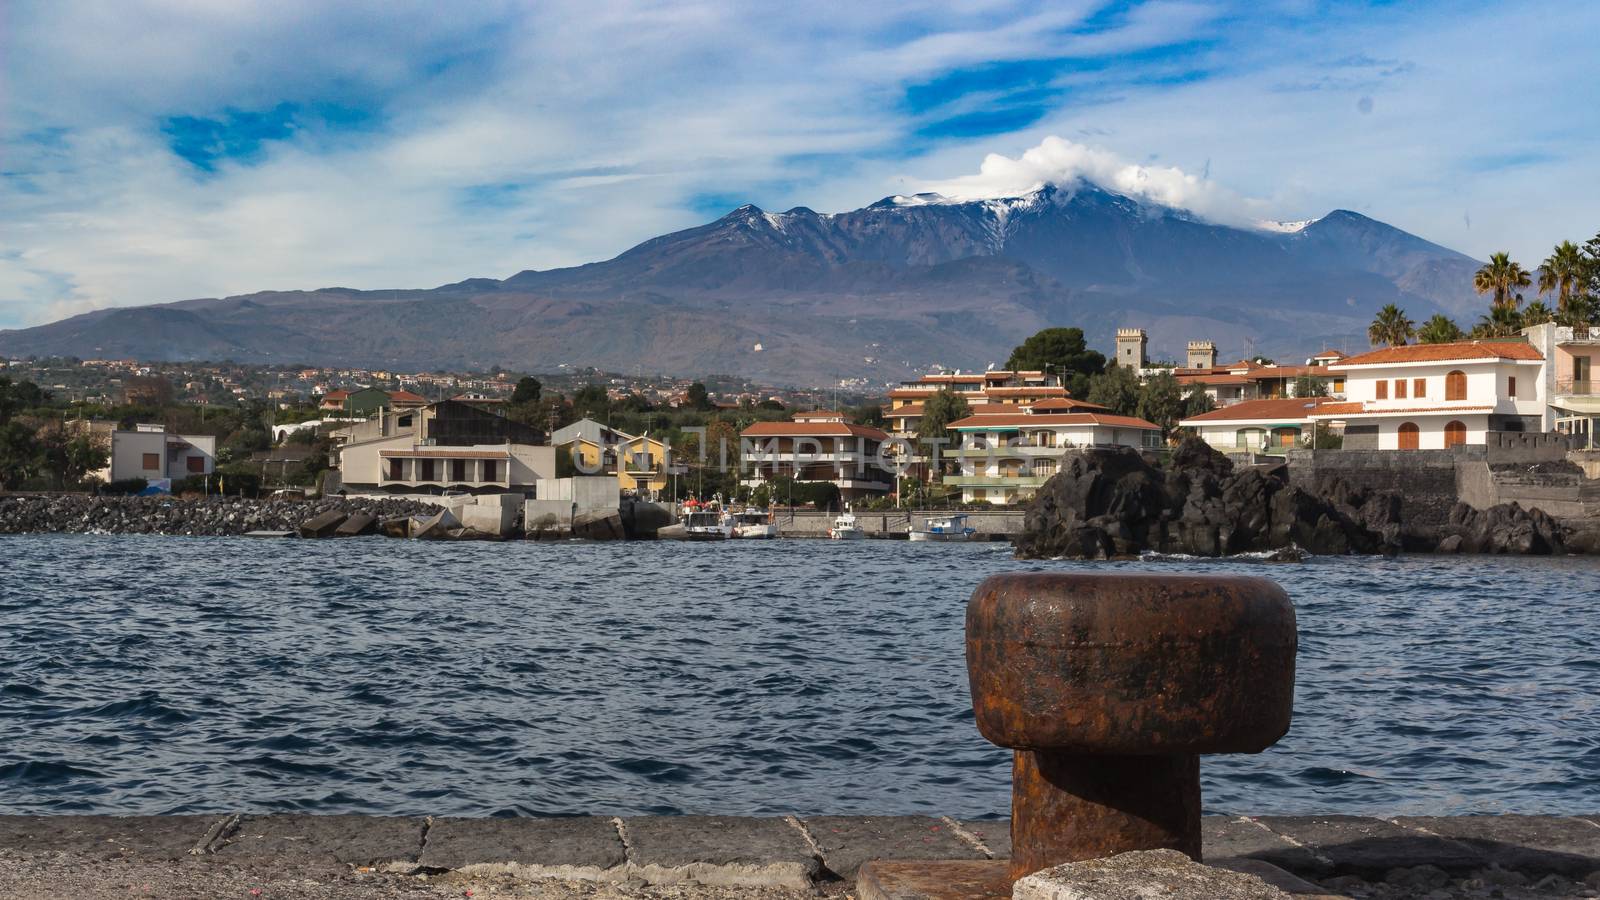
[(1391, 327), (1116, 389), (17, 397), (1197, 401), (1310, 386), (591, 401), (527, 390), (1161, 402), (939, 410), (870, 414), (1580, 312), (71, 454), (1562, 272), (1501, 321), (697, 397), (19, 454), (1501, 277), (1536, 313), (1440, 329), (1062, 351)]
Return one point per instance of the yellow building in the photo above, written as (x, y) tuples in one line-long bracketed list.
[(640, 463)]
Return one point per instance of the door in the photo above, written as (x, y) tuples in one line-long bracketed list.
[(1410, 436), (1455, 434)]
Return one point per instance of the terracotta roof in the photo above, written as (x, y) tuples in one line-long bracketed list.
[(1360, 409), (1029, 391), (1213, 379), (1282, 409), (1284, 371), (1443, 353), (812, 429), (445, 453), (976, 409), (407, 397), (1329, 354), (335, 395), (1053, 419), (1053, 403), (818, 414)]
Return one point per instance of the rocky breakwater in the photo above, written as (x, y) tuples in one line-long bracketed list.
[(86, 514), (1110, 502)]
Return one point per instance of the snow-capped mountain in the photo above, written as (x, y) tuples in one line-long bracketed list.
[(875, 291)]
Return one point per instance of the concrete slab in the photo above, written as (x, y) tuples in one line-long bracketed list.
[(323, 842), (1141, 874), (1536, 844), (848, 841), (949, 880), (1356, 845), (994, 833), (574, 848), (1225, 838), (721, 850), (1284, 881), (147, 838)]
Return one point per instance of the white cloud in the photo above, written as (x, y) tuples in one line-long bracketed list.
[(1062, 162)]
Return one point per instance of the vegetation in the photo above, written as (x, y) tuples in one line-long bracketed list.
[(1161, 402), (1440, 329), (1117, 389), (1391, 327), (1061, 352), (1562, 272), (1310, 386), (1501, 277), (939, 410)]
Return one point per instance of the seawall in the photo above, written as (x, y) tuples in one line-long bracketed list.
[(895, 523)]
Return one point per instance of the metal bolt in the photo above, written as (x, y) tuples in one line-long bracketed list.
[(1109, 686)]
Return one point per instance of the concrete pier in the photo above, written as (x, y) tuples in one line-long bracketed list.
[(722, 856)]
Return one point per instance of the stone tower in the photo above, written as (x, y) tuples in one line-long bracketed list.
[(1202, 355), (1130, 348)]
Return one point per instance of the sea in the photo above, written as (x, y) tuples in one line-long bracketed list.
[(149, 674)]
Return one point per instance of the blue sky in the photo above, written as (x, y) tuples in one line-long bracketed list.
[(157, 150)]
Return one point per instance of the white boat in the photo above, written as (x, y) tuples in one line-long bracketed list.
[(753, 524), (846, 528), (698, 524), (949, 528)]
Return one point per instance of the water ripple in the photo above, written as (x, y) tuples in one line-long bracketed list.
[(157, 675)]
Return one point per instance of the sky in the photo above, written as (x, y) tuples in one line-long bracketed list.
[(159, 150)]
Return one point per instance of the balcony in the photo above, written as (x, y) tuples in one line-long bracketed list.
[(1578, 335), (1577, 387), (1013, 451), (996, 481)]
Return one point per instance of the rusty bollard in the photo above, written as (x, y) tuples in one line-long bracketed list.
[(1107, 687)]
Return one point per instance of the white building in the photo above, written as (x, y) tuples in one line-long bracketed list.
[(149, 452), (1571, 379), (817, 446), (1258, 426), (1434, 396), (1005, 458)]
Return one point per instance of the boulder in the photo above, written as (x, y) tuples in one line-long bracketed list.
[(1143, 874)]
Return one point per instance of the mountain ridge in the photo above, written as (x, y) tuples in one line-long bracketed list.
[(802, 297)]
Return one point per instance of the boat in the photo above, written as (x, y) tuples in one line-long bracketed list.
[(846, 528), (753, 523), (700, 522), (949, 528)]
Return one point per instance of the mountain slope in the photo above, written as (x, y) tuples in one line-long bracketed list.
[(880, 291)]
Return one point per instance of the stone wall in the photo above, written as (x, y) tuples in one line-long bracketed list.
[(1534, 470)]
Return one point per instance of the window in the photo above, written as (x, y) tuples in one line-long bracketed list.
[(1455, 434), (1383, 389), (397, 470), (491, 470), (458, 470), (1419, 387), (1399, 388), (427, 470), (1455, 385), (1338, 385), (1511, 386), (196, 464), (152, 462), (1410, 436), (1251, 438)]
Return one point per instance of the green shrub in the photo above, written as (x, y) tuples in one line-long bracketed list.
[(125, 486)]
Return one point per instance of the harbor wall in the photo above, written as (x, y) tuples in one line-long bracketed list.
[(811, 523)]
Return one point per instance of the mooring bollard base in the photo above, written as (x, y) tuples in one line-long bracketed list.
[(956, 879), (1068, 807)]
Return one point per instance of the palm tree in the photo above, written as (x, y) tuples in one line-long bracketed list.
[(1501, 277), (1562, 271), (1391, 327), (1537, 313), (1440, 329), (1502, 321), (1580, 312)]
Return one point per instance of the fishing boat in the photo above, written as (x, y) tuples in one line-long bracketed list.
[(700, 522), (846, 528), (754, 524), (949, 528)]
